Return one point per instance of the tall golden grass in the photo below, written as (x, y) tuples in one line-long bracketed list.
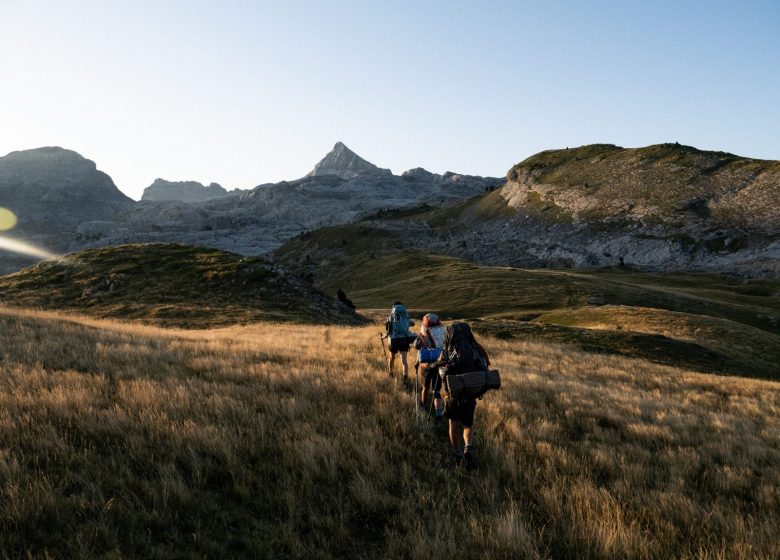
[(287, 441)]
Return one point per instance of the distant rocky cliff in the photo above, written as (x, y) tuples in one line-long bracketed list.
[(184, 191)]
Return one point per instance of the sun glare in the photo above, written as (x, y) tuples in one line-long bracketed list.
[(24, 248), (7, 219)]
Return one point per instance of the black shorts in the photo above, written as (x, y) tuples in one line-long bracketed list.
[(461, 411), (432, 378), (399, 345)]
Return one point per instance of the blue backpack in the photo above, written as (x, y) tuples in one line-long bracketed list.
[(429, 355), (398, 323)]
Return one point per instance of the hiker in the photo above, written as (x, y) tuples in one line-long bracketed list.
[(397, 330), (431, 337), (462, 353)]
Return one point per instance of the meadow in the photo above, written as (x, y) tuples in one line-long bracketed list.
[(278, 440)]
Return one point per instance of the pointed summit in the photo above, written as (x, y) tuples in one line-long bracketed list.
[(345, 163)]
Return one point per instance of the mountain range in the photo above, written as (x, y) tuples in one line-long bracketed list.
[(65, 204), (663, 207)]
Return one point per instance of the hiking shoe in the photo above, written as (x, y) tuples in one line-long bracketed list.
[(469, 460), (458, 456)]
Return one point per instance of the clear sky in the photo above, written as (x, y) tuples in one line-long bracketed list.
[(243, 93)]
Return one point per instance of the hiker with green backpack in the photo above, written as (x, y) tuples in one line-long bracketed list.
[(397, 330)]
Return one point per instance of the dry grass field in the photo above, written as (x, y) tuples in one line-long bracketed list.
[(289, 441)]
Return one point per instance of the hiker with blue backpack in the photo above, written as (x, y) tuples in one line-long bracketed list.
[(397, 330), (429, 346)]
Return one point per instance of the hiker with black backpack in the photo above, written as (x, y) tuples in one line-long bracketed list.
[(429, 346), (397, 330), (464, 367)]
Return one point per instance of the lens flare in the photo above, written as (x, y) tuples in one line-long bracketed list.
[(7, 219), (24, 248)]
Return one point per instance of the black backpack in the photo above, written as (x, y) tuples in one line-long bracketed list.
[(460, 350)]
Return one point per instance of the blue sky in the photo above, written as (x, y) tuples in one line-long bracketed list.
[(243, 93)]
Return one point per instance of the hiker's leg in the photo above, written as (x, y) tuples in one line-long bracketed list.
[(404, 364), (425, 390), (468, 436), (455, 439), (437, 392), (391, 363), (468, 421), (469, 459)]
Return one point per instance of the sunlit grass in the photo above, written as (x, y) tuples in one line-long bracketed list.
[(280, 440)]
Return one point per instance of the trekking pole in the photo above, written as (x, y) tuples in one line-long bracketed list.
[(430, 411), (433, 399), (384, 351)]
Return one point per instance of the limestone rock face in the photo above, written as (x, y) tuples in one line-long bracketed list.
[(183, 191), (346, 164)]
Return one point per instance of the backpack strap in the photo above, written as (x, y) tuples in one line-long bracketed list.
[(483, 352)]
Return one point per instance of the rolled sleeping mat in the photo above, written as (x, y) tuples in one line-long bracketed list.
[(472, 384)]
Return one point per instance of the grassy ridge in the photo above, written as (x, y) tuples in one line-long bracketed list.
[(173, 285), (667, 177), (133, 441)]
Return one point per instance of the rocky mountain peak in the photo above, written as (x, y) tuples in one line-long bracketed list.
[(44, 171), (47, 160), (184, 191), (345, 163)]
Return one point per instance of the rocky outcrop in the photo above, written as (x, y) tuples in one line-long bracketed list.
[(665, 207), (182, 191)]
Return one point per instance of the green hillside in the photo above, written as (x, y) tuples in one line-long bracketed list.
[(173, 285)]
